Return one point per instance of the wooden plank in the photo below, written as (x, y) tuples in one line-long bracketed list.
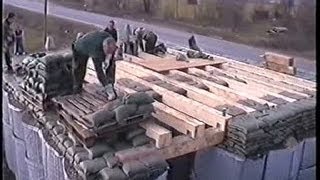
[(183, 144), (87, 104), (281, 68), (278, 59), (194, 93), (271, 81), (161, 135), (85, 136), (164, 64), (176, 119), (224, 91), (193, 108), (267, 73), (245, 88), (276, 76), (259, 84), (72, 100)]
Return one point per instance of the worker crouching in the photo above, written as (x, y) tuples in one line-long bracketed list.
[(101, 47)]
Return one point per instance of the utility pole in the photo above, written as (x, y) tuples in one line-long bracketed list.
[(45, 20)]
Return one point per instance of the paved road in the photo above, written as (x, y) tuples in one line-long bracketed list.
[(306, 68)]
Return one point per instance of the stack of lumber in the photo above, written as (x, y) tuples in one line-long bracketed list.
[(280, 63), (48, 75)]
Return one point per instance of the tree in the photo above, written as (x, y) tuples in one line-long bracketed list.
[(146, 4)]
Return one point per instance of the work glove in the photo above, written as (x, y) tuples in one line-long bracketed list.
[(109, 90)]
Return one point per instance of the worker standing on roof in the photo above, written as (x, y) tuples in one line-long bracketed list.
[(146, 40), (101, 47)]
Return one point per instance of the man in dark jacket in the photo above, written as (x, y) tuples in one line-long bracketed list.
[(149, 37), (101, 47), (8, 39), (110, 29)]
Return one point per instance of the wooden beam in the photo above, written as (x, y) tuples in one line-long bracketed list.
[(176, 119), (245, 88), (259, 84), (278, 59), (161, 135), (194, 93), (276, 76), (224, 91), (268, 73), (182, 144), (193, 108), (271, 81)]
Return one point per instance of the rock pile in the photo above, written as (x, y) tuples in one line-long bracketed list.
[(260, 132), (48, 75)]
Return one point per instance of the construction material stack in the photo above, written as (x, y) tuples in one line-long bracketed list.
[(280, 63), (47, 75)]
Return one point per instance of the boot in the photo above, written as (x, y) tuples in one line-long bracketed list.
[(108, 89)]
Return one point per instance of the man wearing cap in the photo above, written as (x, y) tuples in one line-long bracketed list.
[(101, 47), (8, 39)]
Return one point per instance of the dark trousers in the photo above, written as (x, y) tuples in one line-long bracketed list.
[(19, 46), (7, 56), (105, 76), (151, 43)]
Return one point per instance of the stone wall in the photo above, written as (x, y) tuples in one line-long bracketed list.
[(298, 162)]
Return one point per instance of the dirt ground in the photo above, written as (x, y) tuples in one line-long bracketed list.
[(293, 43), (63, 31)]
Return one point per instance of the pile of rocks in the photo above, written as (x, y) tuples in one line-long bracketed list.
[(260, 132), (48, 75)]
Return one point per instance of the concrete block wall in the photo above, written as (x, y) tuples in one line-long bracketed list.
[(293, 163)]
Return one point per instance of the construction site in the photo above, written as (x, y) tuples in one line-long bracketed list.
[(212, 118)]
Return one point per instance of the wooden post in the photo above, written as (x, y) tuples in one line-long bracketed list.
[(45, 20)]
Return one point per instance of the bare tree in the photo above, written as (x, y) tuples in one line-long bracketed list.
[(146, 4)]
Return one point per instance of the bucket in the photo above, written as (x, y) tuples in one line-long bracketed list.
[(21, 166), (31, 136), (16, 110), (35, 170)]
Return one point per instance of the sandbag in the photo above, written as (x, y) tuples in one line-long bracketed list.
[(100, 117), (138, 98), (112, 105), (110, 159), (173, 88), (134, 167), (134, 132), (145, 109), (154, 95), (123, 112), (98, 150), (112, 174), (92, 166), (154, 161), (81, 156), (140, 140)]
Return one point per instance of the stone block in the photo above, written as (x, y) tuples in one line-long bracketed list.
[(309, 154), (307, 174)]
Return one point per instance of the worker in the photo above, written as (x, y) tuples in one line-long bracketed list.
[(112, 30), (129, 41), (8, 40), (101, 47), (149, 38), (195, 50)]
